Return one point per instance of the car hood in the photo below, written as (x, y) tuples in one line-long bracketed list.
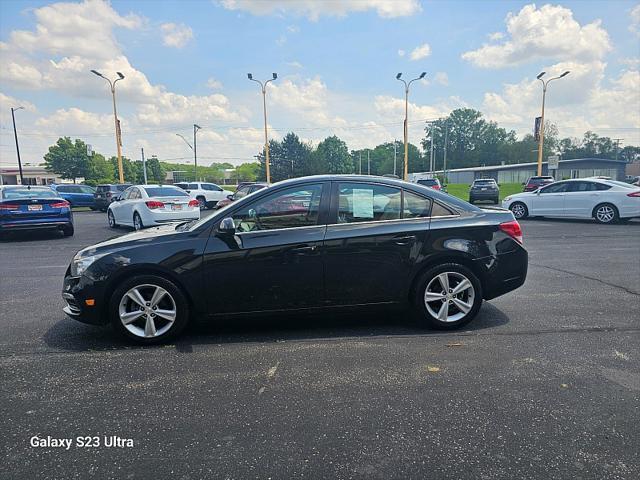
[(142, 236)]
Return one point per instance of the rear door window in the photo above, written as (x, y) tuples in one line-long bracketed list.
[(415, 206), (362, 202)]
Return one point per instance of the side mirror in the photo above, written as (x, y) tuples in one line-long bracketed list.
[(230, 197), (227, 226)]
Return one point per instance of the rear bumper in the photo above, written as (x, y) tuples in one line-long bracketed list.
[(504, 272), (159, 218), (34, 224), (486, 194)]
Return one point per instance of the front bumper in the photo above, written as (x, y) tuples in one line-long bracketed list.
[(75, 292)]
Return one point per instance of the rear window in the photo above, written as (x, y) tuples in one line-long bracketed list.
[(165, 192), (621, 184), (26, 193), (485, 182), (428, 182), (121, 188)]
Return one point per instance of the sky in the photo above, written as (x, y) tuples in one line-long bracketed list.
[(186, 62)]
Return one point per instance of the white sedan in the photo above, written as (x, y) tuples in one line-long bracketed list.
[(605, 200), (142, 206), (207, 194)]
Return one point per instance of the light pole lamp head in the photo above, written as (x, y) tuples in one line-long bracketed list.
[(398, 76), (275, 75), (120, 75), (249, 76), (197, 127), (422, 75), (540, 75), (17, 108), (95, 72), (565, 74)]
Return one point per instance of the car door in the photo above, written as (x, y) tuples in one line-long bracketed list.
[(122, 209), (273, 261), (86, 195), (65, 191), (371, 246), (580, 199), (549, 200)]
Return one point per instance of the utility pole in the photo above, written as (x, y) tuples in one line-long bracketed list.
[(263, 87), (144, 165), (618, 140), (444, 160), (360, 155), (541, 133), (195, 152), (433, 140), (406, 121), (15, 134), (394, 156), (368, 163), (112, 85)]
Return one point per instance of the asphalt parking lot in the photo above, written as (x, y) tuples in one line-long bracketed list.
[(545, 383)]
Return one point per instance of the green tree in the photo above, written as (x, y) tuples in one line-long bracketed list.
[(333, 154), (298, 154), (68, 159), (248, 172), (128, 169), (99, 170)]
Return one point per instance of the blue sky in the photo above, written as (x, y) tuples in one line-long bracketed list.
[(187, 61)]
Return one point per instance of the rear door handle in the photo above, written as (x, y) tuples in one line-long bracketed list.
[(404, 240), (303, 249)]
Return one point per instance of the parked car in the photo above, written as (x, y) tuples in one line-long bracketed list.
[(207, 194), (105, 194), (605, 200), (484, 189), (34, 208), (535, 183), (243, 190), (142, 206), (76, 195), (430, 182), (359, 240)]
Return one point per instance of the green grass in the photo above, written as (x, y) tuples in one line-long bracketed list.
[(461, 190)]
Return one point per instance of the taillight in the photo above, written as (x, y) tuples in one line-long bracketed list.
[(436, 187), (9, 206), (512, 229), (634, 194), (194, 203), (153, 204), (64, 204)]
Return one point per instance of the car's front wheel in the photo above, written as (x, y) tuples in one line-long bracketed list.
[(519, 210), (148, 309), (605, 213), (448, 296), (111, 219)]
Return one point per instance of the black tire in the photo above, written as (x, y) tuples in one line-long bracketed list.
[(496, 200), (181, 306), (518, 213), (429, 279), (111, 219), (472, 200), (68, 230), (137, 222), (202, 201), (606, 213)]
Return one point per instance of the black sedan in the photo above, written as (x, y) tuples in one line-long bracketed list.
[(305, 244)]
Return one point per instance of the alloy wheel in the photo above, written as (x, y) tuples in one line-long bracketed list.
[(112, 221), (605, 213), (518, 210), (137, 222), (449, 296), (147, 311)]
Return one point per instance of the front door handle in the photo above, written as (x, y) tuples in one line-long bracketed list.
[(404, 240), (303, 249)]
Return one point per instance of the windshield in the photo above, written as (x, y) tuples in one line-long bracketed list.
[(165, 192), (22, 193)]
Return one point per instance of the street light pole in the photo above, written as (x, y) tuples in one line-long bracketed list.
[(195, 152), (541, 132), (112, 85), (15, 134), (263, 87), (406, 120)]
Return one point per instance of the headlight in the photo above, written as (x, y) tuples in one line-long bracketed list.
[(80, 264)]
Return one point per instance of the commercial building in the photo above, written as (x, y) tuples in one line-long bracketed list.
[(520, 172), (33, 175)]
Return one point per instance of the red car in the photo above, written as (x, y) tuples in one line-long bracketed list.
[(535, 183), (430, 182), (243, 190)]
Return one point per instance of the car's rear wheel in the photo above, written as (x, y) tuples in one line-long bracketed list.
[(148, 309), (111, 219), (447, 296), (519, 210), (68, 230), (605, 213), (137, 222)]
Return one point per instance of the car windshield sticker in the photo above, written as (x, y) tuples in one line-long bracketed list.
[(362, 203)]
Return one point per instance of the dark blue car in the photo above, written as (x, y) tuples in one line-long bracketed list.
[(34, 208), (76, 195)]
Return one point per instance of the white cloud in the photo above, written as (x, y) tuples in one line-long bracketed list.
[(294, 64), (293, 29), (401, 53), (442, 78), (496, 36), (420, 52), (314, 9), (547, 32), (214, 84), (281, 40), (176, 35), (635, 20)]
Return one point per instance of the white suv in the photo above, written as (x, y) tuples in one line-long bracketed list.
[(208, 194)]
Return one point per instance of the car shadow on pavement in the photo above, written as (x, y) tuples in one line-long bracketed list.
[(633, 222), (72, 336), (31, 235)]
